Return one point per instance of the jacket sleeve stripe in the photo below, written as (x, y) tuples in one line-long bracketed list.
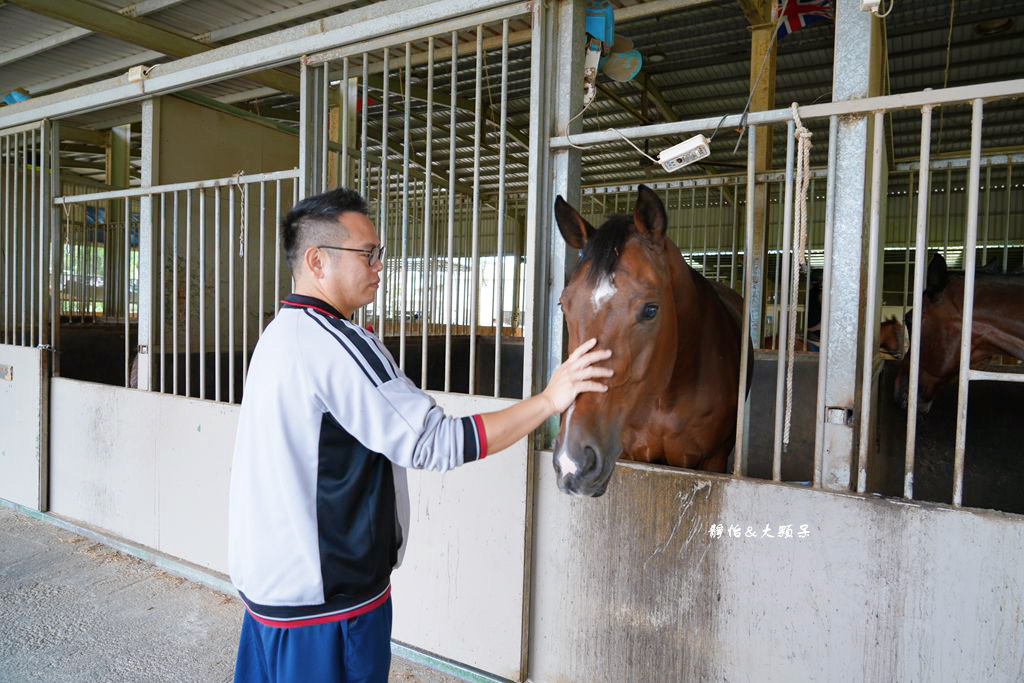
[(371, 355), (478, 422), (355, 356), (374, 342), (470, 446)]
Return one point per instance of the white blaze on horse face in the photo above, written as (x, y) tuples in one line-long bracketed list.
[(605, 290), (565, 464)]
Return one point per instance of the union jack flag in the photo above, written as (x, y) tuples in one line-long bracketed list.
[(798, 14)]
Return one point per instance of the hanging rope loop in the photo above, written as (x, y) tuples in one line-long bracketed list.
[(803, 177)]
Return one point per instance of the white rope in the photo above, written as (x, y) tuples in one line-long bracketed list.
[(803, 177)]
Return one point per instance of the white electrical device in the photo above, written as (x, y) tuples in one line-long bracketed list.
[(138, 73), (870, 6), (685, 153)]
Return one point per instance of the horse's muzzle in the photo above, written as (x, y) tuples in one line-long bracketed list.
[(582, 474)]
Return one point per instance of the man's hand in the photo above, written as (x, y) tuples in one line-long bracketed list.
[(576, 376)]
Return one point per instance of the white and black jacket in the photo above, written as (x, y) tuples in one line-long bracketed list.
[(313, 532)]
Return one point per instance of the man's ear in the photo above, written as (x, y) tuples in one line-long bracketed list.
[(649, 215), (313, 260), (576, 231)]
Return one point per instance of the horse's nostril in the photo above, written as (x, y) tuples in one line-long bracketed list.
[(589, 460)]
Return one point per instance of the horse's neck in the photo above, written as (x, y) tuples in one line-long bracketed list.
[(693, 297)]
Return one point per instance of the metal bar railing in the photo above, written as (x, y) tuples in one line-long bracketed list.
[(919, 275), (970, 254), (741, 401)]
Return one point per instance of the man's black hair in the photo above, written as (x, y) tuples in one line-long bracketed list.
[(313, 215)]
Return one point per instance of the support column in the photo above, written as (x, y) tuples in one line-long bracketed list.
[(313, 130), (148, 305), (763, 48), (570, 41), (856, 60), (118, 159)]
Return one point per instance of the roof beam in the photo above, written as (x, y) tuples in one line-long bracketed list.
[(90, 137), (757, 12), (140, 33), (55, 40)]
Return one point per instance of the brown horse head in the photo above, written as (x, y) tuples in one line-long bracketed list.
[(998, 327), (621, 292), (940, 351), (890, 337)]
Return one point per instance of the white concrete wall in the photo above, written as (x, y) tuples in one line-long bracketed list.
[(22, 421), (631, 587), (155, 470)]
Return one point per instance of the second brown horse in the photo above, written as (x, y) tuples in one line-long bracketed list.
[(675, 341)]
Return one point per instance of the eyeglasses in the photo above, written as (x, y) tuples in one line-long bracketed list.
[(373, 255)]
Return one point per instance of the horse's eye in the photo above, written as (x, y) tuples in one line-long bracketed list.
[(650, 310)]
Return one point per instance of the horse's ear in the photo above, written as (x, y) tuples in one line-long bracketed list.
[(649, 215), (938, 275), (574, 228)]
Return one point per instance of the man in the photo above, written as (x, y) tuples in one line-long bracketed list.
[(313, 531)]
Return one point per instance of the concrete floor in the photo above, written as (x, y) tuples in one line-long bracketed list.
[(75, 610)]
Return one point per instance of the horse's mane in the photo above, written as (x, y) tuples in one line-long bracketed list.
[(605, 246)]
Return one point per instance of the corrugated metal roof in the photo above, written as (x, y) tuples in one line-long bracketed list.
[(705, 72)]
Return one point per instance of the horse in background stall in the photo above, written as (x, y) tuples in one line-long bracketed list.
[(675, 341), (998, 328)]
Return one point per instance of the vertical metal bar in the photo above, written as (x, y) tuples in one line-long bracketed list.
[(826, 298), (783, 304), (245, 280), (277, 245), (920, 269), (202, 294), (428, 196), (343, 113), (323, 127), (707, 203), (216, 293), (502, 160), (1006, 231), (231, 292), (262, 286), (174, 299), (24, 233), (188, 292), (382, 225), (448, 273), (162, 266), (127, 285), (807, 276), (403, 292), (906, 250), (970, 256), (474, 278), (718, 233), (735, 230), (741, 400), (945, 235), (984, 236), (32, 229), (777, 269), (363, 169), (8, 280), (870, 310)]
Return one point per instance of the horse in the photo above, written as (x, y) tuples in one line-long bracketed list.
[(998, 328), (675, 340), (890, 337)]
